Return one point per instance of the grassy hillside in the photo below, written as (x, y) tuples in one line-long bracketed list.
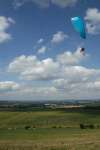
[(49, 130), (46, 119)]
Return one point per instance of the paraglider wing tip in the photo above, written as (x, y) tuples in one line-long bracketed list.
[(75, 18)]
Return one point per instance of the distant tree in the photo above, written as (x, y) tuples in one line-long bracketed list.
[(91, 126), (54, 126), (27, 127), (82, 126)]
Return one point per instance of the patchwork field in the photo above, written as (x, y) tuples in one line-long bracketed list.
[(49, 130)]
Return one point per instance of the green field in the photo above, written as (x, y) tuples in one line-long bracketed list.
[(49, 130)]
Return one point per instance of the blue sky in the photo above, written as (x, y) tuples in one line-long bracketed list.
[(40, 55)]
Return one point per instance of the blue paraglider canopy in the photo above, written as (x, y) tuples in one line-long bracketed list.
[(79, 26)]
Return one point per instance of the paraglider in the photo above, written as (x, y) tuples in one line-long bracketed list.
[(79, 26)]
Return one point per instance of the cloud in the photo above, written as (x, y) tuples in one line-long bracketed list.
[(7, 86), (59, 37), (69, 58), (60, 89), (78, 90), (56, 78), (19, 3), (41, 40), (5, 23), (31, 68), (27, 92), (93, 21), (79, 82), (60, 78), (64, 3), (41, 3), (42, 50), (38, 91), (76, 74), (46, 3)]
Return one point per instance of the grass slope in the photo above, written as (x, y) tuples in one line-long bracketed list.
[(49, 130)]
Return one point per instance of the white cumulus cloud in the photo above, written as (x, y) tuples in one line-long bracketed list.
[(69, 58), (6, 86), (42, 50), (62, 77), (5, 23), (93, 20), (31, 68), (40, 41), (59, 37)]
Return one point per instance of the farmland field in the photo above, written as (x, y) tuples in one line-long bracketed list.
[(49, 130)]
